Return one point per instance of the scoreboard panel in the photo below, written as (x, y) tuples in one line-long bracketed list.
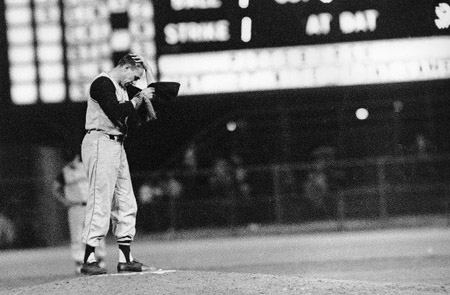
[(202, 25), (252, 45), (54, 48)]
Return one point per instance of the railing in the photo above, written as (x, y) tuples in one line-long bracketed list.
[(294, 193)]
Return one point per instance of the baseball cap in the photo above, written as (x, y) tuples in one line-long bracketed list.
[(165, 90)]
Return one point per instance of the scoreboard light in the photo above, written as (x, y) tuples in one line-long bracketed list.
[(20, 35), (246, 29), (21, 54), (18, 15), (24, 93), (52, 72), (52, 92), (49, 34), (244, 3), (120, 40), (23, 73)]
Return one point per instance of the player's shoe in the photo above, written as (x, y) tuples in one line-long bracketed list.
[(133, 266), (92, 269)]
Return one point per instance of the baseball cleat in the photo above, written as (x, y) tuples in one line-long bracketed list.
[(92, 269), (133, 266)]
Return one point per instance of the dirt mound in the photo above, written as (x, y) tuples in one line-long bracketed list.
[(209, 283)]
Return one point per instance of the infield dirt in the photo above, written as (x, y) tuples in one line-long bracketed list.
[(209, 283)]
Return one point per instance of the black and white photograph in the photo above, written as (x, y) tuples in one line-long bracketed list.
[(224, 147)]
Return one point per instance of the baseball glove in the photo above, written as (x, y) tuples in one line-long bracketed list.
[(151, 114)]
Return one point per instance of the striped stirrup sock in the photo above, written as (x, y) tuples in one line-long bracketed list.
[(124, 253)]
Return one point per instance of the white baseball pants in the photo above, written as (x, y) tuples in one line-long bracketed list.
[(111, 195)]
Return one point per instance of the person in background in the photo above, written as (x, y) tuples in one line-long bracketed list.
[(8, 232), (70, 188), (322, 183), (150, 196), (423, 169)]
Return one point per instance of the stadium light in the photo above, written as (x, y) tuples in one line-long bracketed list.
[(231, 126), (362, 113)]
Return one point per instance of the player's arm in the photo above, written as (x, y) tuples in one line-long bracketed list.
[(141, 112), (58, 187), (58, 190), (104, 92), (133, 90)]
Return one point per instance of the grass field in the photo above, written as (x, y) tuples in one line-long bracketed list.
[(414, 260)]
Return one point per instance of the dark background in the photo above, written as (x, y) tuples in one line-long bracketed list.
[(279, 126)]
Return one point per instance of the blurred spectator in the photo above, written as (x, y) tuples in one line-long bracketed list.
[(193, 181), (241, 177), (423, 169), (151, 200), (422, 147), (223, 186), (7, 232), (321, 184), (316, 188), (190, 163), (172, 187), (149, 192), (70, 188), (222, 181), (228, 184)]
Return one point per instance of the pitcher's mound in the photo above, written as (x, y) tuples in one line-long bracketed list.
[(213, 283)]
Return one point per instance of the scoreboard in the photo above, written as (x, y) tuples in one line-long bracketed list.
[(56, 47), (252, 45), (204, 25)]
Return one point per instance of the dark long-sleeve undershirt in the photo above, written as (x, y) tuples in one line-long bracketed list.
[(104, 92)]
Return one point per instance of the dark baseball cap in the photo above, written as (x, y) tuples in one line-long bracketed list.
[(165, 90)]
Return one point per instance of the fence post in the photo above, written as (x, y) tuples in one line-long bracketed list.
[(172, 215), (341, 209), (382, 186), (447, 203), (278, 196)]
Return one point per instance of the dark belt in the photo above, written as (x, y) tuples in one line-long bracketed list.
[(118, 138), (80, 204)]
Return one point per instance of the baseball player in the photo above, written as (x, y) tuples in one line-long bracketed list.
[(111, 194), (71, 189)]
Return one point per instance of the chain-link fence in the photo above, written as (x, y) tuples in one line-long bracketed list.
[(230, 196)]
